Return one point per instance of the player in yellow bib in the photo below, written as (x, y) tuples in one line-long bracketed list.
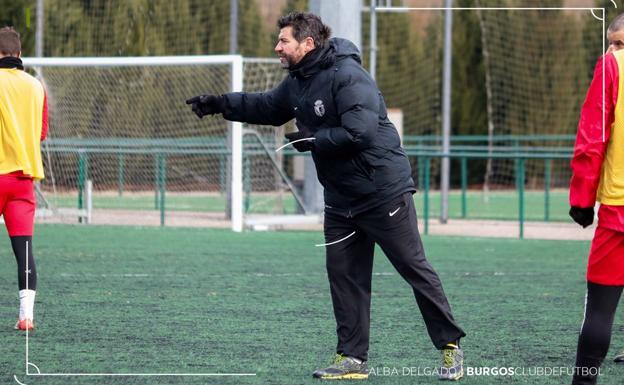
[(23, 125)]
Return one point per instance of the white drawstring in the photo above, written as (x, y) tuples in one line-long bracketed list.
[(334, 242), (294, 141)]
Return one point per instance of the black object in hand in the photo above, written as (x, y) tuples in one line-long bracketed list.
[(582, 216), (303, 133)]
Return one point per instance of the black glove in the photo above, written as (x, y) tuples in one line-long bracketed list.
[(304, 132), (582, 216), (207, 104)]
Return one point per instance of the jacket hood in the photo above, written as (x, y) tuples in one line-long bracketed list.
[(324, 57), (344, 48)]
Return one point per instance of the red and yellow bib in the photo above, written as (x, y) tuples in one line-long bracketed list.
[(611, 187), (21, 120)]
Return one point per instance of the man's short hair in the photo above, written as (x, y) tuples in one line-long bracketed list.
[(305, 24), (9, 42), (617, 24)]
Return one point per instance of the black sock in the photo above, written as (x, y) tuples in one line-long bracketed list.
[(595, 337), (20, 244)]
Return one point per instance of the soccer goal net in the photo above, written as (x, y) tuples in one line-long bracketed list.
[(519, 77), (123, 141)]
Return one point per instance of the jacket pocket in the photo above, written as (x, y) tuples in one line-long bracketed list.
[(356, 176), (348, 177), (361, 164)]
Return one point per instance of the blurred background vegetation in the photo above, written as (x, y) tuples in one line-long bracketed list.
[(409, 46), (515, 72)]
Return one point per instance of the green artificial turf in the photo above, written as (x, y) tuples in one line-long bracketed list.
[(116, 300)]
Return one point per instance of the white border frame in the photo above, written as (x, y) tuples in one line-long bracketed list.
[(236, 86)]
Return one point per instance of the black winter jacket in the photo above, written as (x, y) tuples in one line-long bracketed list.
[(357, 151)]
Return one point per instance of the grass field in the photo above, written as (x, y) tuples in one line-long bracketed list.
[(494, 205), (174, 300)]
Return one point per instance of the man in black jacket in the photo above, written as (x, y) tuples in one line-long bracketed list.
[(366, 175)]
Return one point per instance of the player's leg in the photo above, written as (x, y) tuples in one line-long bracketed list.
[(349, 270), (27, 280), (19, 213), (593, 343), (605, 277), (394, 227)]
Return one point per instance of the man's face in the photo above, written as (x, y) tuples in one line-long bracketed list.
[(616, 40), (289, 50)]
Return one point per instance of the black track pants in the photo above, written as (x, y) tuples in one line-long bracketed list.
[(393, 227)]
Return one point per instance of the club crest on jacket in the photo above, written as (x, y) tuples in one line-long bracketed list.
[(319, 108)]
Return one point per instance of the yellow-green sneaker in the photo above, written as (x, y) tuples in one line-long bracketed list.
[(343, 368), (452, 363)]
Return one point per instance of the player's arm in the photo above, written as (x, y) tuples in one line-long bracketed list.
[(357, 101), (594, 130), (271, 107)]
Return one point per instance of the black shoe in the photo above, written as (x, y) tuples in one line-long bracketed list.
[(343, 368), (452, 363), (619, 358)]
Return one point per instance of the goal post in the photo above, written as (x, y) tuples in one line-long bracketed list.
[(237, 152), (122, 120)]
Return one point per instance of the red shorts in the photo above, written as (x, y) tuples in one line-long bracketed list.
[(606, 258), (17, 204)]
